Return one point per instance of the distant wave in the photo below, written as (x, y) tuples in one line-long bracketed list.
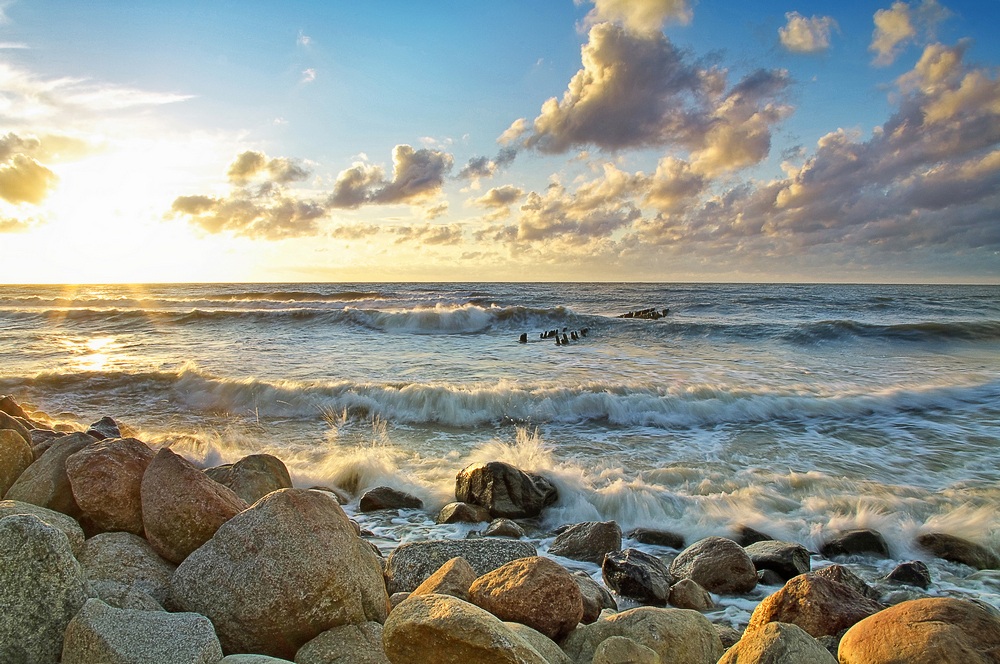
[(192, 390), (297, 296), (833, 330)]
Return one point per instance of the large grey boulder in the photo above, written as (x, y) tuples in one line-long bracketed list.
[(504, 490), (42, 587), (718, 565), (412, 563), (280, 573), (589, 541), (786, 559), (15, 457), (253, 477), (129, 560), (45, 482), (58, 520), (105, 634)]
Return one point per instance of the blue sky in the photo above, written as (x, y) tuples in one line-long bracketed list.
[(659, 140)]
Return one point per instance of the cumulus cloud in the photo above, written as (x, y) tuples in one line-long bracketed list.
[(250, 165), (641, 15), (639, 90), (806, 35), (12, 225), (487, 167), (24, 180), (417, 176), (902, 24), (430, 234)]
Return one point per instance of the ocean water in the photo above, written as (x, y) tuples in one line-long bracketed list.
[(799, 410)]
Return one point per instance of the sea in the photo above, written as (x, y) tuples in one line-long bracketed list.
[(798, 410)]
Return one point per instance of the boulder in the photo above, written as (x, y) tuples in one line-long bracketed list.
[(537, 592), (104, 428), (637, 575), (503, 528), (350, 644), (43, 439), (463, 513), (657, 537), (10, 406), (15, 457), (387, 498), (678, 636), (42, 587), (856, 542), (245, 658), (68, 525), (589, 541), (504, 490), (454, 578), (102, 633), (768, 577), (819, 606), (718, 565), (844, 575), (129, 560), (686, 594), (729, 635), (45, 482), (745, 536), (958, 550), (440, 629), (787, 559), (619, 649), (122, 596), (914, 573), (413, 562), (542, 644), (181, 506), (938, 630), (13, 424), (596, 598), (777, 643), (280, 573), (106, 477), (253, 477)]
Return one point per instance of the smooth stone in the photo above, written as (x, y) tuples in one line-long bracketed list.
[(768, 577), (106, 478), (104, 428), (253, 477), (504, 490), (958, 550), (129, 560), (657, 537), (42, 587), (619, 649), (537, 592), (718, 565), (589, 541), (11, 422), (463, 513), (15, 457), (245, 658), (637, 575), (387, 498), (45, 482), (410, 564), (842, 574), (347, 644), (745, 536), (778, 643), (787, 559), (503, 528), (687, 594), (914, 573), (67, 524), (102, 633), (280, 573), (454, 578), (816, 604), (596, 597), (542, 644), (864, 542)]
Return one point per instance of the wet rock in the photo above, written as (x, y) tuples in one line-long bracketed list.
[(542, 644), (504, 490), (350, 644), (787, 559), (686, 594), (42, 587), (45, 483), (913, 573), (15, 457), (657, 537), (618, 649), (503, 528), (10, 406), (413, 562), (106, 478), (596, 597), (856, 542), (104, 428), (814, 603), (778, 643), (280, 573), (589, 541), (935, 630), (387, 498), (537, 592), (718, 565), (729, 636), (253, 477), (958, 550), (129, 560), (181, 506), (745, 536), (768, 577), (678, 636), (102, 633), (463, 513), (844, 575), (637, 575), (444, 629), (453, 578), (68, 525)]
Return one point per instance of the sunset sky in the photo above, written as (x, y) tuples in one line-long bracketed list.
[(653, 140)]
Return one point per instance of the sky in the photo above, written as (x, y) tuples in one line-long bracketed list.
[(523, 140)]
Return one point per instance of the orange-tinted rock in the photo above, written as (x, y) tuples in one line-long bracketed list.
[(537, 592), (106, 477), (15, 457), (45, 482), (816, 604), (182, 507), (454, 578)]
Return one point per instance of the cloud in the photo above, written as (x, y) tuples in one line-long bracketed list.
[(308, 75), (417, 176), (430, 234), (640, 15), (303, 39), (487, 167), (640, 91), (902, 24), (250, 164), (500, 197), (436, 211), (24, 180), (11, 225), (806, 35)]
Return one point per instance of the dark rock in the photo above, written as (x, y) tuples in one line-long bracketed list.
[(657, 537), (856, 542), (503, 528), (768, 577), (745, 536), (844, 575), (787, 559), (104, 428), (596, 597), (718, 565), (958, 550), (637, 575), (387, 498), (589, 541), (410, 564), (913, 573), (463, 513), (504, 490)]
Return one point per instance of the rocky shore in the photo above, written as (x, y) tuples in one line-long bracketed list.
[(117, 552)]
